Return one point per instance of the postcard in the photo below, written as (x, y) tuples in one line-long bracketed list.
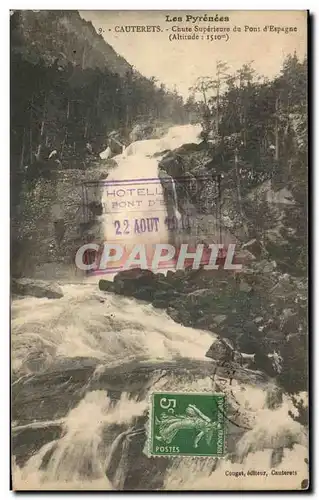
[(159, 250)]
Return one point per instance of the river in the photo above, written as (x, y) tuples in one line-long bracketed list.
[(138, 202), (84, 367)]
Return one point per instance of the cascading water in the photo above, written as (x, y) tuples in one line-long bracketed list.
[(84, 367), (135, 204), (116, 333)]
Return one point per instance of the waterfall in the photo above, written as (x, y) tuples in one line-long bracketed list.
[(83, 454), (97, 442), (87, 364), (137, 198)]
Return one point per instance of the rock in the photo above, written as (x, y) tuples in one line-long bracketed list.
[(243, 256), (266, 266), (96, 208), (106, 286), (219, 318), (206, 322), (254, 247), (244, 286), (170, 275), (142, 275), (133, 281), (244, 359), (163, 298), (119, 288), (274, 397), (258, 319), (283, 287), (179, 274), (277, 456), (140, 132), (249, 338), (264, 363), (191, 146), (288, 319), (31, 357), (165, 285), (144, 285), (265, 192), (175, 315), (220, 350), (146, 293), (277, 361), (159, 303), (200, 299), (197, 294), (36, 288)]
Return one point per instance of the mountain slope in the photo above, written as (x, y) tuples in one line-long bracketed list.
[(48, 34)]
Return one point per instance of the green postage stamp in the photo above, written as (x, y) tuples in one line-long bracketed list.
[(190, 424)]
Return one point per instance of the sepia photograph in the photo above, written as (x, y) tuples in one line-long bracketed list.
[(159, 250)]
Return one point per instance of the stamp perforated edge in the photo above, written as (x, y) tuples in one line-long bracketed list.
[(148, 426)]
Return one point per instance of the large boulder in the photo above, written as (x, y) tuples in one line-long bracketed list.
[(140, 132), (36, 288), (142, 284), (127, 282), (254, 247), (274, 397), (143, 275), (221, 350), (265, 266), (137, 278), (106, 286)]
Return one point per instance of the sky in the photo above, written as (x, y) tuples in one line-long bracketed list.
[(179, 62)]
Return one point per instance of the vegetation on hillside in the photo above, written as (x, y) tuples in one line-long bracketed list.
[(256, 131), (69, 89), (256, 144)]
